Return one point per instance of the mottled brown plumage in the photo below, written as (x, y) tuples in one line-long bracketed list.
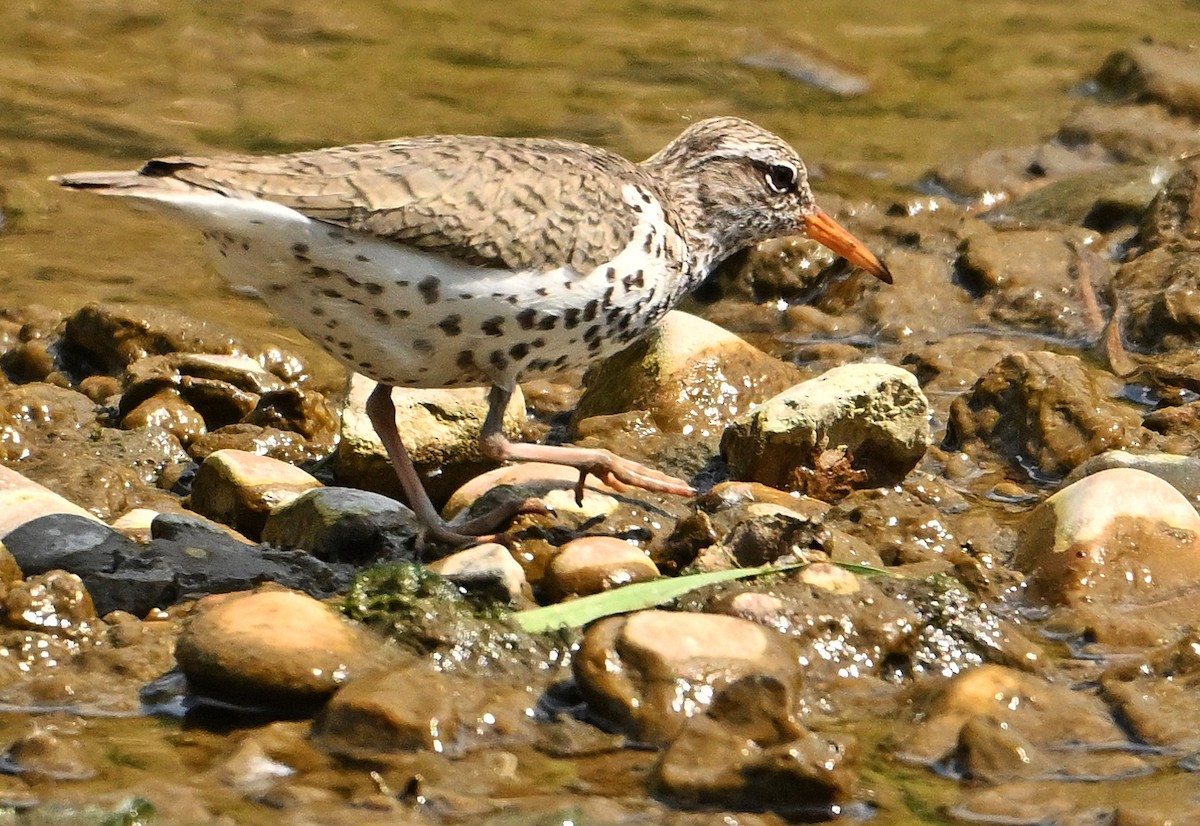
[(450, 260)]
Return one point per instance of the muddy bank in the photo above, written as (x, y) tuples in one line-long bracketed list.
[(984, 478)]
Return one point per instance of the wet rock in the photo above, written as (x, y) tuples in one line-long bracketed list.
[(281, 445), (1145, 134), (1154, 73), (296, 410), (855, 426), (1174, 214), (487, 570), (49, 756), (186, 559), (135, 524), (553, 485), (270, 646), (689, 374), (592, 564), (649, 672), (1119, 536), (23, 500), (1029, 279), (1158, 694), (1158, 293), (1180, 472), (241, 489), (440, 429), (1101, 200), (1048, 715), (343, 525), (55, 601), (1045, 412), (416, 708), (166, 409), (747, 752)]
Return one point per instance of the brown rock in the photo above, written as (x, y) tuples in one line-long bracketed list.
[(1119, 537), (23, 500), (649, 672), (55, 601), (1155, 73), (593, 564), (1174, 214), (1044, 411), (271, 646), (240, 488)]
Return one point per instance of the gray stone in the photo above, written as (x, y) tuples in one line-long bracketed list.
[(343, 525)]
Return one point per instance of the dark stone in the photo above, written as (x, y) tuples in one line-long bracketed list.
[(187, 559), (344, 525)]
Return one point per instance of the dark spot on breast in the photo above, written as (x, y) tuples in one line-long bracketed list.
[(610, 274), (589, 311), (332, 324), (497, 360), (571, 318), (401, 282), (401, 314), (561, 360), (494, 326), (381, 316), (592, 333), (465, 360), (526, 318), (346, 345), (317, 311), (430, 289), (519, 351), (542, 291), (547, 322), (277, 288), (423, 346), (329, 292), (362, 258), (637, 279), (466, 296), (374, 289), (451, 325), (538, 343)]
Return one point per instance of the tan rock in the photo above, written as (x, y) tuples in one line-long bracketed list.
[(23, 500), (1120, 537), (489, 568), (240, 489), (592, 564)]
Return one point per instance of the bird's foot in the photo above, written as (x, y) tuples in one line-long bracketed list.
[(485, 527), (623, 474)]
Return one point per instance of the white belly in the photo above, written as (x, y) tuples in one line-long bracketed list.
[(408, 318)]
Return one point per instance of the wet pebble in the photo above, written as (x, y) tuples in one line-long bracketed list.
[(240, 488), (48, 756), (55, 601), (647, 673), (488, 569), (22, 500), (271, 646), (1118, 537), (593, 564), (343, 525), (861, 425)]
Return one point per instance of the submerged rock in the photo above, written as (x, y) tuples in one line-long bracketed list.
[(1117, 537)]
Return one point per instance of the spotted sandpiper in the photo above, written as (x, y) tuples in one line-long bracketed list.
[(457, 260)]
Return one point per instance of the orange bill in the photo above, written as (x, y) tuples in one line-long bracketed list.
[(829, 233)]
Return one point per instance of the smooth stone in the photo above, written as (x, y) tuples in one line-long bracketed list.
[(874, 417), (49, 757), (23, 500), (1118, 537), (488, 569), (270, 646), (344, 525), (168, 410), (553, 485), (241, 489), (1180, 472), (647, 673), (187, 558), (417, 708), (136, 524), (593, 564), (439, 428), (691, 375)]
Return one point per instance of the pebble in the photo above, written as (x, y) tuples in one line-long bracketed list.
[(344, 525), (488, 569), (859, 425), (649, 672), (240, 488), (593, 564), (23, 500), (271, 646)]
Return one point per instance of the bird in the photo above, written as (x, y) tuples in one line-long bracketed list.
[(460, 260)]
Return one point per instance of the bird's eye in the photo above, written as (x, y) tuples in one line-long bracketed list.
[(782, 178)]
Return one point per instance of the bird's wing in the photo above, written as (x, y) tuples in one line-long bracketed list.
[(513, 204)]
